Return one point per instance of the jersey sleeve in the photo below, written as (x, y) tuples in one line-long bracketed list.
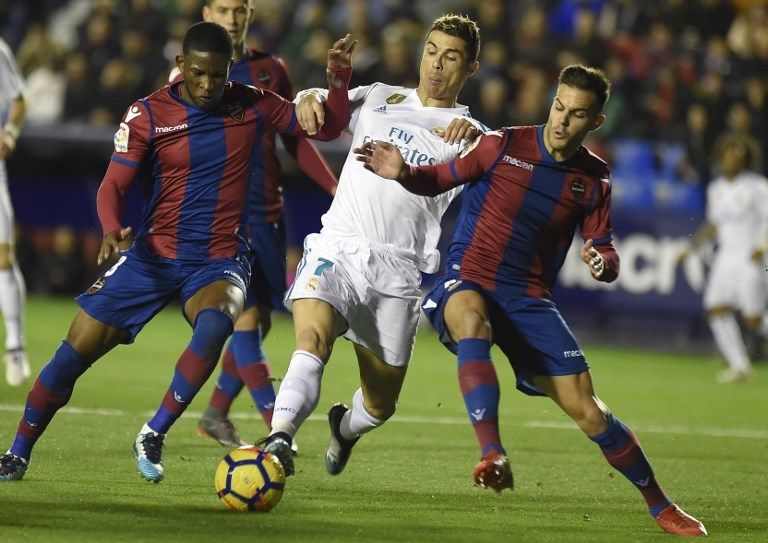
[(11, 81), (131, 144), (281, 114), (471, 165), (357, 97), (596, 225)]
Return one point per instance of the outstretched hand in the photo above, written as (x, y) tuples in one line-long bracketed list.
[(459, 129), (339, 57), (382, 158), (592, 258), (112, 243)]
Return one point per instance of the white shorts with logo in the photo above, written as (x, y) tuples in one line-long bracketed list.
[(736, 282), (375, 290), (6, 211)]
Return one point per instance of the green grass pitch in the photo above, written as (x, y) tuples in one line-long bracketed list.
[(407, 481)]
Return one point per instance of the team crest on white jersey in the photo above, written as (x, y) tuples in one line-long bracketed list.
[(132, 114), (396, 98), (121, 138), (437, 131)]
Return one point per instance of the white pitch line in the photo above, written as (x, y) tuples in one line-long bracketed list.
[(452, 421)]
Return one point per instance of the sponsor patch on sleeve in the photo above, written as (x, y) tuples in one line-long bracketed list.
[(121, 138)]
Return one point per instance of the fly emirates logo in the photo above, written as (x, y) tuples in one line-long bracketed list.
[(406, 142), (166, 129)]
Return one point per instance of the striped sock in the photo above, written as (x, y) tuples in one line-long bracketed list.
[(623, 451), (228, 385), (50, 392), (480, 388), (194, 367), (254, 370)]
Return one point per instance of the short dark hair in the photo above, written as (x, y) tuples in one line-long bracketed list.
[(587, 78), (462, 27), (208, 37)]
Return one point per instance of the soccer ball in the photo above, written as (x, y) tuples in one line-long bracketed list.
[(250, 479)]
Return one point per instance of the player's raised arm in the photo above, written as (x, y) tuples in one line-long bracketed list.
[(385, 160), (336, 110)]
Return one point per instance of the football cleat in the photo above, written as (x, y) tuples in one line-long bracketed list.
[(148, 450), (339, 448), (12, 467), (675, 521), (221, 429), (493, 471), (16, 367), (279, 444)]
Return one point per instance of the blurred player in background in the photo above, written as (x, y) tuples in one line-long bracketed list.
[(12, 291), (360, 275), (737, 218), (528, 189), (199, 138), (244, 360)]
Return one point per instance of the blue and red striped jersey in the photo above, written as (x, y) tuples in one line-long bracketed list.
[(265, 202), (201, 162), (520, 210)]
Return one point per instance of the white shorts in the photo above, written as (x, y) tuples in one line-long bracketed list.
[(6, 211), (736, 282), (376, 291)]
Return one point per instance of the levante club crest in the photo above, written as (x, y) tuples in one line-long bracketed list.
[(236, 111), (578, 187)]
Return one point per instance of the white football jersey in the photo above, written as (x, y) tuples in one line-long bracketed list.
[(739, 210), (10, 79), (378, 209)]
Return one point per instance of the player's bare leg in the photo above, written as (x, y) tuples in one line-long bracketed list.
[(372, 405), (317, 325), (576, 396), (87, 340), (466, 316)]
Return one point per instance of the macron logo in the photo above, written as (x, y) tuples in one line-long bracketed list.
[(132, 114), (165, 129), (478, 414), (517, 162)]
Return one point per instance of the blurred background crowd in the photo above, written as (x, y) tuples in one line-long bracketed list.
[(684, 72)]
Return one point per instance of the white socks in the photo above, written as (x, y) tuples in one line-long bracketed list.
[(12, 292), (729, 341), (357, 420), (299, 393)]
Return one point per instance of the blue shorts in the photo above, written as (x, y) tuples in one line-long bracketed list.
[(529, 331), (268, 266), (142, 283)]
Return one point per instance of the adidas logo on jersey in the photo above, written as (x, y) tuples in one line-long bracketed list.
[(380, 109)]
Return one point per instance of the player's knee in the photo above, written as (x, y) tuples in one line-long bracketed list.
[(212, 328), (472, 324), (590, 417), (311, 340)]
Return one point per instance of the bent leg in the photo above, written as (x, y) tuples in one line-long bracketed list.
[(87, 340), (467, 317), (252, 365), (576, 396), (317, 325), (212, 310)]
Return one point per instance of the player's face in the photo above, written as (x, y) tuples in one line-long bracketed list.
[(573, 115), (234, 15), (205, 75), (444, 68)]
